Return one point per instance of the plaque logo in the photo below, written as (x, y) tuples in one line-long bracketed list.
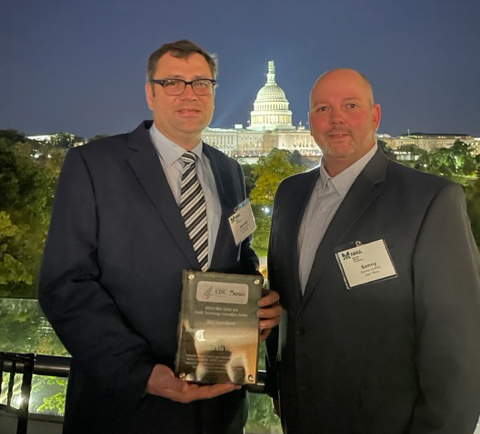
[(222, 292)]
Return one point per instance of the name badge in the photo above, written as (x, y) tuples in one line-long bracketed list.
[(242, 222), (366, 263)]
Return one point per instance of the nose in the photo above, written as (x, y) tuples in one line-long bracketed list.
[(336, 116), (188, 93)]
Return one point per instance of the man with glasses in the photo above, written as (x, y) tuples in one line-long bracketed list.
[(131, 212)]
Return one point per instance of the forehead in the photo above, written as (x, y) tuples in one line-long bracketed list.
[(341, 85), (192, 66)]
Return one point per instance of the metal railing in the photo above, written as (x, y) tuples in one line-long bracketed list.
[(54, 366), (58, 366)]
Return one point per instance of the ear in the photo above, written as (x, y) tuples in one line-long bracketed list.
[(149, 95), (376, 116)]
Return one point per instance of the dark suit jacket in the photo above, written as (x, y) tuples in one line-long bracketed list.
[(111, 280), (390, 357)]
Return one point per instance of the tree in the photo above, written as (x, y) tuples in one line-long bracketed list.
[(25, 329), (12, 135), (456, 163), (269, 172), (250, 177), (97, 137), (66, 140), (386, 149), (473, 208), (299, 160), (27, 181), (464, 161)]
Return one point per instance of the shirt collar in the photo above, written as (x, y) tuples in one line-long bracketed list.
[(168, 150), (344, 180)]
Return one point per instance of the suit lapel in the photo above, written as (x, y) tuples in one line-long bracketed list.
[(296, 209), (362, 193), (223, 182), (148, 170)]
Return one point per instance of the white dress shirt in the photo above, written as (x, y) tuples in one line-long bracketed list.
[(169, 154)]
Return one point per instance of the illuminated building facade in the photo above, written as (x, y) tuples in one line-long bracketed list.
[(428, 142), (270, 127)]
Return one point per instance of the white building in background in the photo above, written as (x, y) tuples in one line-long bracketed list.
[(270, 109), (429, 142), (270, 127), (42, 138)]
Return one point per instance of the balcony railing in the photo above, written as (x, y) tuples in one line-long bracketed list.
[(25, 330)]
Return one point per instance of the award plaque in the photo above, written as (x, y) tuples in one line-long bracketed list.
[(218, 328)]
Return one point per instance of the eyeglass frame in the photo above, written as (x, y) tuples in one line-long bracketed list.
[(162, 81)]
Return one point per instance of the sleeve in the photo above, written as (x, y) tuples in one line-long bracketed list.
[(447, 306), (81, 311), (272, 357)]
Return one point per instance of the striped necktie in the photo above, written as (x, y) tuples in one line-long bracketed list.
[(194, 209)]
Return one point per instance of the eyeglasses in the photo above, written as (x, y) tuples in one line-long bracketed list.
[(176, 86)]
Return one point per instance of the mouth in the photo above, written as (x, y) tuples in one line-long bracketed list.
[(338, 134), (188, 112)]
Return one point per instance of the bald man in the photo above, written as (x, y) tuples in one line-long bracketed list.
[(379, 274)]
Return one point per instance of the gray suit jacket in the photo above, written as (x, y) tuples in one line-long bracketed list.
[(110, 285), (395, 356)]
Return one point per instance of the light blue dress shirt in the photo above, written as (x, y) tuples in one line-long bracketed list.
[(326, 197)]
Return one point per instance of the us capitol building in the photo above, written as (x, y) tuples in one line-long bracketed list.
[(270, 127)]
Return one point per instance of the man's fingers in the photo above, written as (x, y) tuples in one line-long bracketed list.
[(270, 297), (270, 312), (194, 392), (210, 391)]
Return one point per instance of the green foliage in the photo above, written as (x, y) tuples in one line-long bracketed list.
[(97, 137), (298, 159), (386, 149), (473, 208), (268, 172), (54, 404), (456, 163), (66, 140), (261, 418), (250, 177), (11, 270), (263, 220), (29, 171), (12, 135), (25, 329)]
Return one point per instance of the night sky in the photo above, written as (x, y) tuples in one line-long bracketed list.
[(79, 66)]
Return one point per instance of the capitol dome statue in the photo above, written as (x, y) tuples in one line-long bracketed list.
[(270, 109)]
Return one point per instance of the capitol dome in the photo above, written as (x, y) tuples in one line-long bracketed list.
[(270, 109), (270, 92)]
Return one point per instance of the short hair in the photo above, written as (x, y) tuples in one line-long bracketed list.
[(181, 50)]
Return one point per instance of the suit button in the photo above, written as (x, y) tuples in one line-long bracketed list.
[(299, 331)]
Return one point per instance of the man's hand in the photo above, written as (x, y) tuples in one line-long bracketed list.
[(269, 313), (162, 382)]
